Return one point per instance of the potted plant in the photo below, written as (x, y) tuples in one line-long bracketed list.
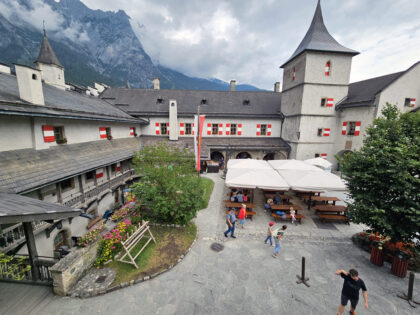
[(377, 248), (135, 134), (62, 141), (109, 137)]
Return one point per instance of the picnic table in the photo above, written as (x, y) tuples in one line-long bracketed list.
[(330, 208), (301, 193), (285, 197), (230, 204), (278, 217), (285, 207), (249, 214), (322, 199)]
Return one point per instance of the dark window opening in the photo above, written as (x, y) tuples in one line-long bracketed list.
[(59, 135), (113, 168), (90, 175), (215, 129), (203, 101), (247, 102), (352, 128), (263, 130), (159, 100), (323, 101), (188, 129), (108, 132), (407, 102), (233, 129), (67, 184), (317, 155), (319, 132), (34, 77), (163, 129)]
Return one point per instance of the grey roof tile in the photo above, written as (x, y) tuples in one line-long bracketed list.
[(145, 102), (318, 38), (37, 168)]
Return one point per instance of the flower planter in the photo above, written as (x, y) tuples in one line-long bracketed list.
[(399, 265), (377, 256)]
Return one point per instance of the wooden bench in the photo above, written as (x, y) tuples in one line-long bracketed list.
[(278, 217), (338, 217), (93, 222), (249, 214)]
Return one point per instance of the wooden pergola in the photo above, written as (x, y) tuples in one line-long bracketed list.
[(20, 209)]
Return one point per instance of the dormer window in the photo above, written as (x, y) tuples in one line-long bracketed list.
[(246, 102), (34, 77), (294, 74), (203, 101), (159, 100), (327, 68)]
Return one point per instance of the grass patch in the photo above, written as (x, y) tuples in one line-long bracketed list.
[(207, 184), (171, 243)]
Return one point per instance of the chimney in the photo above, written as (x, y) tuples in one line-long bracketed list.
[(30, 85), (232, 85), (277, 87), (4, 68), (173, 120), (156, 83)]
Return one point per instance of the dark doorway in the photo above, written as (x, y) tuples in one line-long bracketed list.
[(216, 156), (243, 155), (269, 156)]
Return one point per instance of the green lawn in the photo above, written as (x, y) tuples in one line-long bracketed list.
[(207, 184), (171, 243)]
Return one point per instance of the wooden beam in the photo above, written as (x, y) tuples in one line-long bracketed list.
[(33, 254), (82, 191)]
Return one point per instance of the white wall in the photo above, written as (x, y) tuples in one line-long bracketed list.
[(52, 75), (15, 133)]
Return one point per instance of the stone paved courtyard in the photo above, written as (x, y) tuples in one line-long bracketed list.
[(241, 279)]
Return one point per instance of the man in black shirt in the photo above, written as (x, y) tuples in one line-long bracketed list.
[(351, 287)]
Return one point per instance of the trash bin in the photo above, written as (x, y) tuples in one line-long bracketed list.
[(400, 264), (377, 254)]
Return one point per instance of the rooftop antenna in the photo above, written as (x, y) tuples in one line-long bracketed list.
[(43, 27)]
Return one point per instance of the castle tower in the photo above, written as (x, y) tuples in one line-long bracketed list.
[(315, 78), (52, 71)]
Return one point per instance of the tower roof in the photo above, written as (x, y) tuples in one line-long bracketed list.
[(46, 53), (318, 38)]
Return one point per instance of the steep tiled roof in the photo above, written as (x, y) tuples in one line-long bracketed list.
[(46, 54), (28, 169), (58, 103), (145, 102), (318, 38)]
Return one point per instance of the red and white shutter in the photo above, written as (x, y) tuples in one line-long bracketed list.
[(220, 129), (193, 131), (167, 128), (357, 130), (326, 132), (99, 173), (294, 74), (131, 131), (324, 155), (48, 133), (239, 130), (330, 102), (327, 68), (208, 129), (412, 102), (102, 132), (344, 128), (227, 131), (118, 167), (269, 130), (181, 129), (157, 128), (258, 129)]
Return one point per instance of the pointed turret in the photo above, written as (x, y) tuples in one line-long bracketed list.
[(127, 85), (52, 71), (318, 38), (46, 53)]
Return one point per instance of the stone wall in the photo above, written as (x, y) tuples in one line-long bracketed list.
[(71, 268)]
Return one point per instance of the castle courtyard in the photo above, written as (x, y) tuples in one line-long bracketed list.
[(243, 278)]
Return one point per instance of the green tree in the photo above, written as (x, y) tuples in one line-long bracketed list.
[(383, 176), (170, 188)]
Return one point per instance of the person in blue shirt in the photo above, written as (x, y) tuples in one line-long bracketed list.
[(240, 197), (230, 221)]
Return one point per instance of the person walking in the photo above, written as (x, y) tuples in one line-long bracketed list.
[(277, 240), (242, 216), (230, 221), (293, 214), (269, 234), (351, 287)]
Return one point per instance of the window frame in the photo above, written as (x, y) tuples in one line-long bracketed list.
[(407, 104), (163, 127), (93, 173), (263, 129), (108, 132), (320, 132), (351, 128), (324, 101), (188, 128), (70, 182), (215, 129), (58, 133), (233, 129)]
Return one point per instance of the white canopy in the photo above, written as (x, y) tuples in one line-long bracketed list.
[(260, 178), (292, 165), (320, 162), (313, 180), (248, 164)]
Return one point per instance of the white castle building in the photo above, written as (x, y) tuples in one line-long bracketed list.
[(61, 144)]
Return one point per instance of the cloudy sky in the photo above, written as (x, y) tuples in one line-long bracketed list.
[(247, 40)]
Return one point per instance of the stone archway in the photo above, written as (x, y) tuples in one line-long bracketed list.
[(243, 155), (216, 156), (62, 238), (269, 156)]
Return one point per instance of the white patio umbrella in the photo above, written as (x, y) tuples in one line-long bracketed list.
[(292, 165), (313, 180), (248, 164), (320, 162), (262, 178)]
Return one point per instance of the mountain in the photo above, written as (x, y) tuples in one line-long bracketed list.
[(92, 45)]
